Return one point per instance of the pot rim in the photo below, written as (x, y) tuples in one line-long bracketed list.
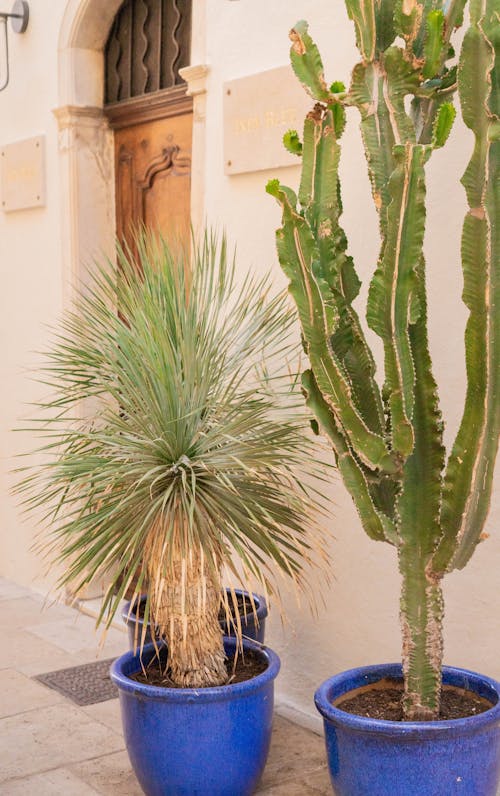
[(432, 729), (129, 612), (201, 695)]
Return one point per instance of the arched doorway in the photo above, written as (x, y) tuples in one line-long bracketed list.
[(87, 132)]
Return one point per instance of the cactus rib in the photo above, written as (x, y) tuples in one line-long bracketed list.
[(393, 285), (377, 525), (469, 474), (299, 256)]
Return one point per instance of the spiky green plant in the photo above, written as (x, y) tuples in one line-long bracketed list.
[(187, 466), (388, 442)]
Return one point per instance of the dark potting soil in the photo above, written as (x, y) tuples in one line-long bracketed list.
[(244, 668), (384, 702), (244, 608)]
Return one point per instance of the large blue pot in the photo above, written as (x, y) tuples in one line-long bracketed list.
[(371, 757), (253, 624), (205, 742)]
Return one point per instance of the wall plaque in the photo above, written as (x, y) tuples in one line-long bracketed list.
[(258, 110), (22, 174)]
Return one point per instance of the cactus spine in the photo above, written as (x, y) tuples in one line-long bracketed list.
[(388, 442)]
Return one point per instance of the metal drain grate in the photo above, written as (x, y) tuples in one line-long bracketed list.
[(84, 685)]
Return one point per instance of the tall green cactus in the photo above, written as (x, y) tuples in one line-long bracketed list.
[(388, 442)]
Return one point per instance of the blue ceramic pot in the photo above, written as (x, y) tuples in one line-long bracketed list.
[(205, 742), (252, 628), (370, 757)]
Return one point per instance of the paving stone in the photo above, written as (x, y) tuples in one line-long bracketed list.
[(78, 635), (52, 737), (50, 783), (108, 713), (294, 751), (18, 613), (19, 693), (317, 784), (31, 655), (10, 590), (111, 775)]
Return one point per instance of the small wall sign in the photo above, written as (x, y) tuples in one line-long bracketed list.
[(258, 110), (22, 174)]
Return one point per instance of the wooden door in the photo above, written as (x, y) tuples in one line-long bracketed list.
[(147, 107), (153, 172)]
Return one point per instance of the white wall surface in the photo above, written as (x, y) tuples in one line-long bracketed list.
[(360, 621), (30, 268)]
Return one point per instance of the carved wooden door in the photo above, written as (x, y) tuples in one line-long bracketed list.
[(153, 176), (148, 109)]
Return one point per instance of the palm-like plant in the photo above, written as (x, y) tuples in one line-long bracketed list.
[(187, 466)]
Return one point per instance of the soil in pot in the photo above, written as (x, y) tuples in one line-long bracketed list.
[(382, 700), (243, 668)]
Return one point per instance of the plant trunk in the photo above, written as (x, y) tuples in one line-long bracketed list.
[(185, 603), (422, 611)]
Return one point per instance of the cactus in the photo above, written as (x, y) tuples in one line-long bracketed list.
[(388, 442)]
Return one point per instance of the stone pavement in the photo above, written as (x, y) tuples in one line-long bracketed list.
[(51, 747)]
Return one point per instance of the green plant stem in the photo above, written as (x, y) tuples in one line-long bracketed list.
[(422, 611)]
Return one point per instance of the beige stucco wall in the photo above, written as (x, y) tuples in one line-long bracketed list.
[(31, 269), (360, 621)]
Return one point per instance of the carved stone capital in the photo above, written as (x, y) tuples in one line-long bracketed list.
[(196, 78), (71, 115), (84, 124)]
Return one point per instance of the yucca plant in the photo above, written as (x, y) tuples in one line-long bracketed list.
[(186, 466), (388, 441)]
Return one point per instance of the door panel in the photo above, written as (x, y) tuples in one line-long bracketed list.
[(153, 177)]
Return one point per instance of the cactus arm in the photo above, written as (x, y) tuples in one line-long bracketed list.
[(362, 13), (408, 19), (443, 124), (319, 195), (386, 31), (425, 108), (434, 46), (298, 256), (391, 298), (376, 524), (292, 143), (378, 90), (454, 12), (469, 474), (420, 500), (401, 78), (307, 63), (366, 92)]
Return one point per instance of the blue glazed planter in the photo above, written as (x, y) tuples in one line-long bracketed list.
[(252, 628), (206, 742), (370, 757)]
